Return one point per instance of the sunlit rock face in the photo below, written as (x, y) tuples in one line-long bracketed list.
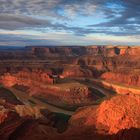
[(25, 78), (130, 51), (77, 72), (131, 78), (115, 119), (32, 52), (120, 112), (71, 94), (54, 75), (27, 110), (88, 50), (8, 80), (27, 122), (109, 118)]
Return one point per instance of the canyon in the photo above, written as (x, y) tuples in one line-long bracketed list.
[(70, 92)]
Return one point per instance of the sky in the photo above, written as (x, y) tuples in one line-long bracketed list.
[(69, 22)]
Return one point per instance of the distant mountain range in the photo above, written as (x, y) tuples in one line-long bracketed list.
[(5, 48)]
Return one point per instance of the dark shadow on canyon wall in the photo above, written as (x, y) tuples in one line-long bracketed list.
[(127, 134)]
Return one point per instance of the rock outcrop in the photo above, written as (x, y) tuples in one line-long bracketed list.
[(131, 78), (113, 115), (17, 126), (115, 119), (25, 78), (87, 50), (66, 77)]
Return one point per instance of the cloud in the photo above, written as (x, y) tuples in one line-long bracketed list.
[(57, 38), (13, 22), (51, 8), (126, 23), (116, 18), (25, 13), (19, 22), (20, 40)]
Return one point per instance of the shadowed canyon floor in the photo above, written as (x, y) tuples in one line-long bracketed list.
[(70, 93)]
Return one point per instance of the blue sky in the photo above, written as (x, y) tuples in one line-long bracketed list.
[(69, 22)]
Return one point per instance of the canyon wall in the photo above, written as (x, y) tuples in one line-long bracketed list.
[(87, 50), (33, 52), (130, 79), (117, 88), (114, 119), (25, 78)]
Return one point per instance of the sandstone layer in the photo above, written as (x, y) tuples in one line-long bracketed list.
[(86, 78), (115, 119)]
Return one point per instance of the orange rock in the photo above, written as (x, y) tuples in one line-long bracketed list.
[(120, 112), (8, 80), (25, 78), (132, 78)]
